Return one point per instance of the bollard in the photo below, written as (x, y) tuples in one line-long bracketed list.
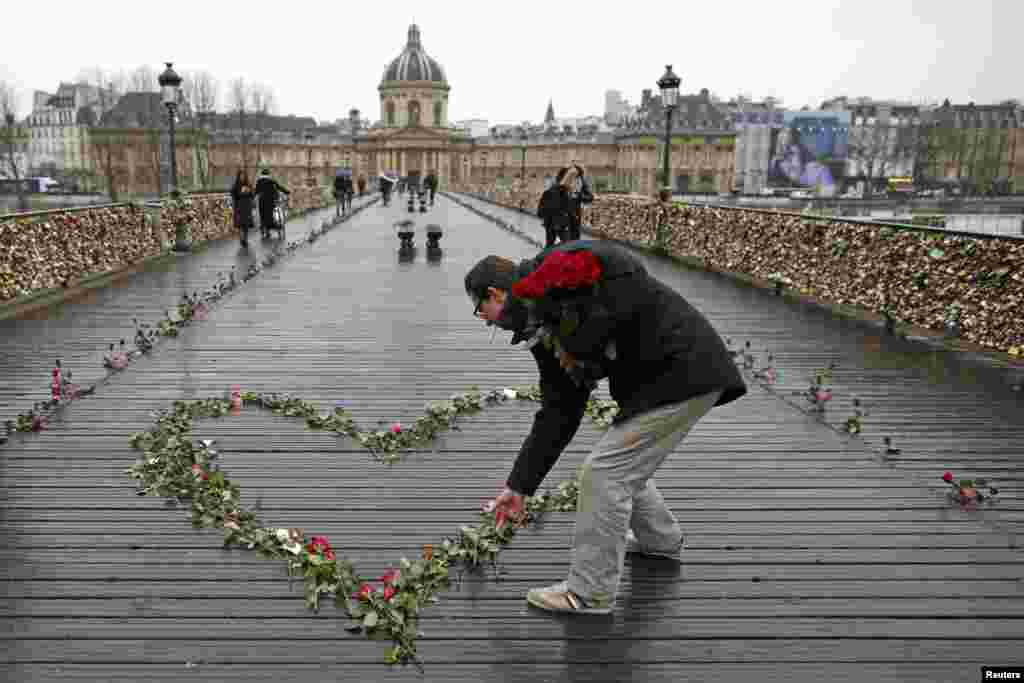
[(406, 233), (434, 235)]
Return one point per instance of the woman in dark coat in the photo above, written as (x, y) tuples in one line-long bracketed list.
[(555, 211), (242, 200)]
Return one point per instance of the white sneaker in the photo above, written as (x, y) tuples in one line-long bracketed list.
[(558, 598), (633, 547)]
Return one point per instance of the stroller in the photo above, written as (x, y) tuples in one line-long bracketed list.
[(280, 217)]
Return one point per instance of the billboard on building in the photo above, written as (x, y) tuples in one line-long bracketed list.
[(810, 150)]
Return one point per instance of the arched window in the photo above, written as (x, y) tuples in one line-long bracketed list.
[(390, 108), (414, 113), (437, 114)]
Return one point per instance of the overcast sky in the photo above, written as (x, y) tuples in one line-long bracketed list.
[(505, 60)]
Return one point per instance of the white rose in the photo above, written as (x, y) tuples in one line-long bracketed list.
[(282, 535), (509, 393)]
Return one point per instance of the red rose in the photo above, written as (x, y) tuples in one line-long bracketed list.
[(389, 592), (948, 477), (363, 593), (329, 555), (559, 271)]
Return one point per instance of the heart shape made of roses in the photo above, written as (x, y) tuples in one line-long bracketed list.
[(175, 466)]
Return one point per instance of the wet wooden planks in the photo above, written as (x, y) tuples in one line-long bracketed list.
[(78, 331), (808, 557)]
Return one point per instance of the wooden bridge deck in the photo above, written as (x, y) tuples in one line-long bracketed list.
[(810, 557)]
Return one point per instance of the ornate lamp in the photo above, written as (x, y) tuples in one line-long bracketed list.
[(170, 84)]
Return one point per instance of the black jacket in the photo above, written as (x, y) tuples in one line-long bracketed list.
[(267, 190), (342, 185), (242, 202), (666, 351), (556, 209)]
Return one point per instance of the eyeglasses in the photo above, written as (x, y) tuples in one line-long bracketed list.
[(478, 301)]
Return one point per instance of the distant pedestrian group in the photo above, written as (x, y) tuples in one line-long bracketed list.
[(265, 194), (343, 192)]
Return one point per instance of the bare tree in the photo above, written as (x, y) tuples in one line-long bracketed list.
[(238, 93), (202, 91), (151, 118), (931, 147), (107, 138), (874, 149), (143, 79), (264, 104), (12, 138)]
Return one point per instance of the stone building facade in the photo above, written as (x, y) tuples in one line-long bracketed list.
[(414, 137), (59, 127)]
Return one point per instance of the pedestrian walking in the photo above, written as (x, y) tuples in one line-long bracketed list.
[(342, 191), (556, 210), (580, 194), (267, 191), (242, 204), (431, 185)]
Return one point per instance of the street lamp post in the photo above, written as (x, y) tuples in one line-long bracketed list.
[(523, 138), (669, 85), (309, 158), (483, 168), (170, 82)]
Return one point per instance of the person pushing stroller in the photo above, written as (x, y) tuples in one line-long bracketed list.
[(267, 191)]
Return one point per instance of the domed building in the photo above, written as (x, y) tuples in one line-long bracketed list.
[(414, 138), (414, 90)]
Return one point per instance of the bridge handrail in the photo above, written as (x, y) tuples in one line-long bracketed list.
[(144, 203), (853, 221)]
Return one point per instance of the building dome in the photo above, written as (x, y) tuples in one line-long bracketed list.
[(414, 64)]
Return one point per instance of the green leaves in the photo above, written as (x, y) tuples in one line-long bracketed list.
[(175, 467)]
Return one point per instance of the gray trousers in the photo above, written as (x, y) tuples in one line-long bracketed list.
[(617, 493)]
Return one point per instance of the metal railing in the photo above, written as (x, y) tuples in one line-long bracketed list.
[(895, 224)]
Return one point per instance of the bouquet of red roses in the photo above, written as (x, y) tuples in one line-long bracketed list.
[(559, 294), (560, 272)]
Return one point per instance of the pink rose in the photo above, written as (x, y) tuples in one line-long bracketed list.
[(389, 592), (390, 576), (824, 395), (319, 543), (396, 428), (948, 477)]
